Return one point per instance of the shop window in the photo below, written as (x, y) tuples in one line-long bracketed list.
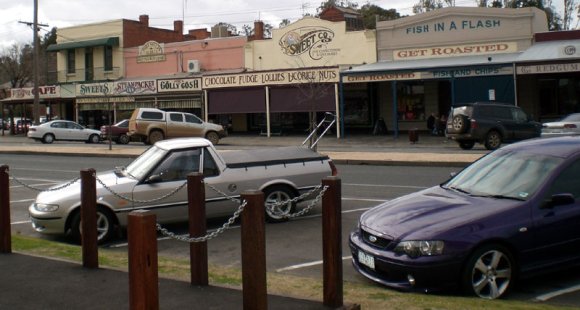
[(357, 104), (108, 58), (411, 101), (70, 61)]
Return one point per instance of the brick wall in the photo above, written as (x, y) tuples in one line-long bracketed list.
[(136, 33)]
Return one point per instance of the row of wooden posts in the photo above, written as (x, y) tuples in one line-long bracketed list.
[(142, 239)]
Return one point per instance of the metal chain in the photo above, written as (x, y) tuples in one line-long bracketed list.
[(310, 206), (141, 201), (209, 236), (69, 183), (223, 194)]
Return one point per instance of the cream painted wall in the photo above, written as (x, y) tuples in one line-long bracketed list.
[(113, 28), (459, 26), (311, 42)]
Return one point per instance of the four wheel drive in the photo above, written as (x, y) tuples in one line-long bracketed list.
[(152, 125), (490, 124)]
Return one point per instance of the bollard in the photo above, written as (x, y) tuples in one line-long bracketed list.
[(5, 228), (197, 228), (89, 219), (253, 231), (332, 243), (143, 276)]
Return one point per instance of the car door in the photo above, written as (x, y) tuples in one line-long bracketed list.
[(76, 132), (176, 126), (523, 127), (557, 227), (59, 130), (194, 125), (505, 121)]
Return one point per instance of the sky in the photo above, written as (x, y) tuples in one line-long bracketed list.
[(197, 14)]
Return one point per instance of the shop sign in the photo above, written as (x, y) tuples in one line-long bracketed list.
[(179, 85), (272, 78), (117, 88), (454, 25), (570, 50), (454, 51), (105, 100), (28, 93), (468, 72), (312, 41), (151, 51), (94, 89), (381, 77), (549, 68)]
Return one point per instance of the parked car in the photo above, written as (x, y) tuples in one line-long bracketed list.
[(152, 125), (118, 132), (568, 125), (63, 130), (282, 173), (512, 214), (489, 123)]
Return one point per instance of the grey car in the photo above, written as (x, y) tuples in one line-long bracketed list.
[(489, 123)]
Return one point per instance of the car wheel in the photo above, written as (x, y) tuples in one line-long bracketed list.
[(123, 139), (94, 139), (466, 145), (213, 137), (105, 226), (272, 197), (489, 273), (48, 138), (492, 140), (155, 136), (459, 123)]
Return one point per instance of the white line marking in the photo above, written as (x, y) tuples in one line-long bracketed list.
[(20, 222), (23, 200), (557, 293), (365, 199), (384, 185), (294, 267)]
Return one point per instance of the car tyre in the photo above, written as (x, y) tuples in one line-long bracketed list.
[(48, 138), (123, 139), (155, 136), (489, 272), (466, 145), (94, 139), (459, 123), (213, 137), (493, 140), (272, 197), (105, 226)]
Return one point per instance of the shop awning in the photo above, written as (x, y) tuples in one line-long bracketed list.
[(110, 41), (552, 50)]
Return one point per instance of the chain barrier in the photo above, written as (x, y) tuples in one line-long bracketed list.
[(310, 206), (67, 184), (209, 236), (173, 192)]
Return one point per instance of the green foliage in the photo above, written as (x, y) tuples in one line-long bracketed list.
[(371, 13)]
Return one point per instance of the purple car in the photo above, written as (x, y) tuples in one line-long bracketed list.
[(510, 215)]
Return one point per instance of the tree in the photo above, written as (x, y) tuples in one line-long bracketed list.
[(330, 3), (372, 13), (570, 6), (16, 65), (285, 22), (429, 5)]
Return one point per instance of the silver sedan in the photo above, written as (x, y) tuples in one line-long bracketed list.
[(63, 130), (569, 125)]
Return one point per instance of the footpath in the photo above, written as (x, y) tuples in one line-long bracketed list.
[(29, 282)]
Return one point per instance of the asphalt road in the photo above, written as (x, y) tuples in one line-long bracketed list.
[(293, 247)]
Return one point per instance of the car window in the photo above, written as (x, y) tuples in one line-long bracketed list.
[(503, 113), (152, 115), (178, 165), (568, 182), (485, 112), (519, 115), (176, 117), (463, 110), (190, 118), (75, 126), (58, 125), (209, 166)]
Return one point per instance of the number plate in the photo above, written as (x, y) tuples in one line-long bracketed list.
[(366, 259)]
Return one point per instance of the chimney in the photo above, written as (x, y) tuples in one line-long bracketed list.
[(199, 34), (144, 19), (178, 26), (258, 30)]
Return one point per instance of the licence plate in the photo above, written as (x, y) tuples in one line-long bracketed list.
[(366, 259)]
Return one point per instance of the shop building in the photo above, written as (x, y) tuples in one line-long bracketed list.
[(432, 61)]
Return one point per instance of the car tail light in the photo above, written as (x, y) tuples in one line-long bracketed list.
[(473, 124), (333, 168), (570, 126)]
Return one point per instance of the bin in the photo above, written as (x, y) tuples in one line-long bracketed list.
[(414, 135)]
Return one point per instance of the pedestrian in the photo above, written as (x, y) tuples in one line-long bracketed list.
[(442, 124), (431, 123)]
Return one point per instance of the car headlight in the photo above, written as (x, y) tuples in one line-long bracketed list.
[(420, 248), (44, 207)]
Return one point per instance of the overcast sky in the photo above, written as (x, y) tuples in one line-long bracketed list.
[(162, 13)]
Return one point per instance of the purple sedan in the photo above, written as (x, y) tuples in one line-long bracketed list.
[(510, 215)]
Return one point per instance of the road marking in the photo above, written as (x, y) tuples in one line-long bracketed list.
[(365, 199), (294, 267), (557, 293), (23, 200), (20, 222), (384, 185)]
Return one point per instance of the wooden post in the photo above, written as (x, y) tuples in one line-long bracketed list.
[(143, 276), (197, 228), (332, 243), (5, 228), (253, 231), (89, 219)]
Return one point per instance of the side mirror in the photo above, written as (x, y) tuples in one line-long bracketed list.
[(154, 178), (558, 200)]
